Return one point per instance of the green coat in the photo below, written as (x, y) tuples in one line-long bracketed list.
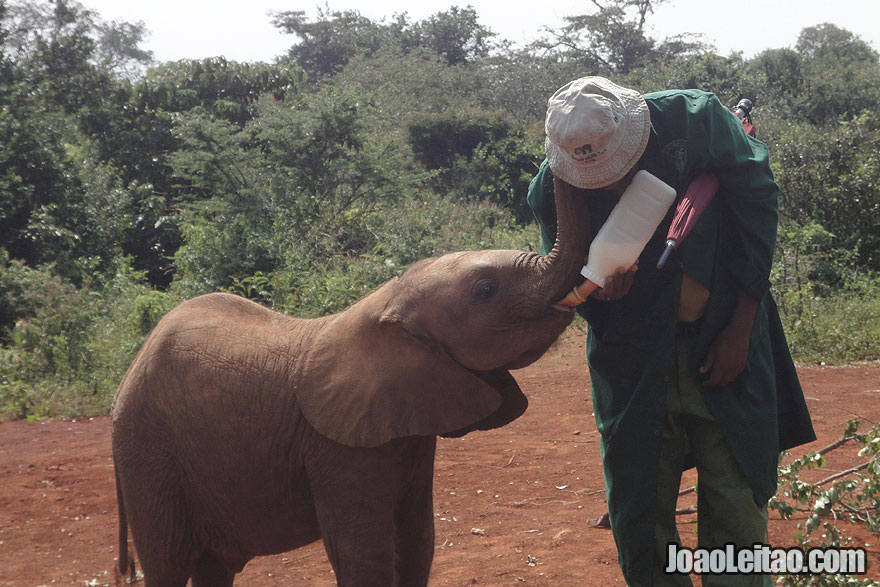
[(631, 341)]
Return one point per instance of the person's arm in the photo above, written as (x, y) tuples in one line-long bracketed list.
[(750, 199)]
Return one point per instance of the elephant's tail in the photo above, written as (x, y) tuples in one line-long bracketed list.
[(126, 561)]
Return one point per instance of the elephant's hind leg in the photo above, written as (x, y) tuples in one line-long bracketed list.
[(211, 572)]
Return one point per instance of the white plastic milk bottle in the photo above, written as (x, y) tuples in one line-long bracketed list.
[(629, 227)]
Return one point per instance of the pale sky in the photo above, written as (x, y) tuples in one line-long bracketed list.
[(241, 30)]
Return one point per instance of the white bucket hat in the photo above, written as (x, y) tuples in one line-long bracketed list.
[(596, 132)]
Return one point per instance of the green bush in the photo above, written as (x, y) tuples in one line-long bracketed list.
[(67, 357), (477, 156), (834, 504), (23, 291), (829, 305), (841, 328), (415, 229)]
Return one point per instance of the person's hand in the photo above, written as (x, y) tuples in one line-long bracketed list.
[(729, 352), (616, 285), (726, 358)]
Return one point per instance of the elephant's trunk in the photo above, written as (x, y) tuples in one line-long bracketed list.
[(560, 267)]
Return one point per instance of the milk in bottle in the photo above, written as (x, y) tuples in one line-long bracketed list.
[(629, 227)]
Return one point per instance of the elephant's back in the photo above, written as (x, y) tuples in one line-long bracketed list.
[(206, 408), (208, 344), (213, 366)]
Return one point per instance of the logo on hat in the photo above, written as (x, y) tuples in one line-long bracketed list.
[(585, 154)]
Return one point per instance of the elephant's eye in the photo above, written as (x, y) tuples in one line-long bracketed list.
[(485, 290)]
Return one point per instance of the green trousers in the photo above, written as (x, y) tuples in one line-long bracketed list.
[(727, 512)]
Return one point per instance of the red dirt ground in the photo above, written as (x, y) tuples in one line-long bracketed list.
[(512, 505)]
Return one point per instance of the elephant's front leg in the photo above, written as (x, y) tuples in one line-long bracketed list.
[(415, 517), (357, 493)]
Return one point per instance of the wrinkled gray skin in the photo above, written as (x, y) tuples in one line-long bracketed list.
[(239, 432)]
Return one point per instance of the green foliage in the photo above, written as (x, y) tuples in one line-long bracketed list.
[(833, 503), (831, 177), (612, 40), (429, 225), (621, 43), (306, 183), (477, 156), (437, 139), (111, 47), (421, 227), (147, 309), (455, 35), (842, 74), (329, 43), (225, 88), (840, 328), (23, 291), (69, 347), (829, 305), (714, 73), (140, 128), (778, 76), (36, 174), (300, 181)]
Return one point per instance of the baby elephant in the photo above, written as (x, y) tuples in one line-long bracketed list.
[(240, 432)]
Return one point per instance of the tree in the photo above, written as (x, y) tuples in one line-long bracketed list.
[(329, 42), (36, 177), (842, 73), (830, 42), (137, 135), (610, 40), (119, 48), (706, 71), (776, 78), (456, 35), (476, 156), (299, 184), (112, 48), (59, 54), (829, 178), (335, 38), (6, 65)]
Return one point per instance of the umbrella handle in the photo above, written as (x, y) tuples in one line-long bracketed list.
[(670, 246)]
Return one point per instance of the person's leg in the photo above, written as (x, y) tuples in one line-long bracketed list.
[(727, 512), (672, 450), (666, 530)]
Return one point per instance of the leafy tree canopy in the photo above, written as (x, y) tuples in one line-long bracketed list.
[(612, 39), (329, 42)]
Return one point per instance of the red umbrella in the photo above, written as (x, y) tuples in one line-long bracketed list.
[(699, 193)]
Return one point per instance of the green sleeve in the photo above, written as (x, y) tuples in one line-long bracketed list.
[(542, 201), (749, 194)]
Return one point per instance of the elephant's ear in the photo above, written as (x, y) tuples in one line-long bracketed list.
[(366, 381)]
